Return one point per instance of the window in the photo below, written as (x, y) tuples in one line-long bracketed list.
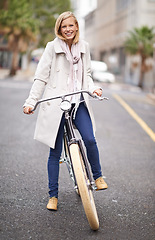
[(122, 4)]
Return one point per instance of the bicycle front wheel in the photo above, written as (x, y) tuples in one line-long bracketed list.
[(84, 187)]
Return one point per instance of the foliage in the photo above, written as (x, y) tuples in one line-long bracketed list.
[(46, 12), (140, 41), (32, 18), (25, 21), (17, 22)]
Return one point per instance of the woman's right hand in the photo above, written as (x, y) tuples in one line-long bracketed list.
[(28, 110)]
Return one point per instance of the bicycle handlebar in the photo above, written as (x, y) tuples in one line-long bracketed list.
[(66, 95)]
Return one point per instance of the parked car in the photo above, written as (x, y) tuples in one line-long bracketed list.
[(36, 54), (100, 73)]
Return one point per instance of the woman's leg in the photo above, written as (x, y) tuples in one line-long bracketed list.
[(53, 162), (84, 125)]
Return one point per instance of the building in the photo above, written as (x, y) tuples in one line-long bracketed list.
[(106, 28), (81, 9), (5, 54)]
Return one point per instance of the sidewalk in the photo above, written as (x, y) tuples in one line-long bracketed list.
[(22, 75)]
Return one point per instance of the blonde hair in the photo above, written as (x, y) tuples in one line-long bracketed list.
[(59, 20)]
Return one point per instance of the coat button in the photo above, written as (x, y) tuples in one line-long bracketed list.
[(48, 103)]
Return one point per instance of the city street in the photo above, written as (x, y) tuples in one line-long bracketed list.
[(126, 140)]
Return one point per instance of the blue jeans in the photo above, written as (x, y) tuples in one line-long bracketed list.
[(83, 123)]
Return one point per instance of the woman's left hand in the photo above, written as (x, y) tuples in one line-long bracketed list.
[(98, 92)]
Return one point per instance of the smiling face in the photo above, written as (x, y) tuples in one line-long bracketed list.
[(68, 29)]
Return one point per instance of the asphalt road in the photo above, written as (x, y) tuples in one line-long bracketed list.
[(126, 210)]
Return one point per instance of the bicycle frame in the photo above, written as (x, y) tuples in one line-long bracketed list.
[(69, 136)]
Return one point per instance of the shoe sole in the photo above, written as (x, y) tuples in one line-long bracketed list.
[(54, 210), (101, 189)]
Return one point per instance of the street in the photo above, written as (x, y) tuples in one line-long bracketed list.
[(126, 209)]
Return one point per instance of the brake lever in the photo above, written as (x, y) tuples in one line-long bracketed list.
[(104, 98), (99, 98)]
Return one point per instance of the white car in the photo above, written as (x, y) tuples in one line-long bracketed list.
[(99, 72)]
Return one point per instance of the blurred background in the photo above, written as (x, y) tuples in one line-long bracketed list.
[(121, 34)]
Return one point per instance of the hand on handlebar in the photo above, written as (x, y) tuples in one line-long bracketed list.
[(98, 92), (28, 110)]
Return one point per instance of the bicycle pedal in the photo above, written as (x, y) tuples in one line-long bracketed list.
[(61, 161), (94, 188), (77, 190)]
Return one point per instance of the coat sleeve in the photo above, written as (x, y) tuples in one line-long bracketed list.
[(43, 69), (35, 93), (92, 87), (41, 76)]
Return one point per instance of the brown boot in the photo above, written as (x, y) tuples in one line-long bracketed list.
[(52, 204), (100, 184)]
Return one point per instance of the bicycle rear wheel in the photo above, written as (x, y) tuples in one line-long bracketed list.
[(84, 187)]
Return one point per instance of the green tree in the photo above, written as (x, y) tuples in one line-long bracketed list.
[(24, 21), (47, 12), (18, 24), (140, 41)]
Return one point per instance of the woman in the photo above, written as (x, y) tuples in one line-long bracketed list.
[(64, 67)]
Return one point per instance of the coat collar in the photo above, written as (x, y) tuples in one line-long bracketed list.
[(58, 48)]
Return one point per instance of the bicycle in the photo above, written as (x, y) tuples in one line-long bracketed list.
[(76, 160)]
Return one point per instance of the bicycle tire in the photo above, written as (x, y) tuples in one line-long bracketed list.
[(85, 191)]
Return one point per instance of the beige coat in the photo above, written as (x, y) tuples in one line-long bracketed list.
[(51, 77)]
